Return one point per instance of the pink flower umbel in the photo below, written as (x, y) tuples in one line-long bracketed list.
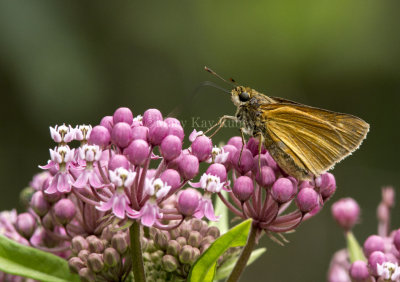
[(119, 202)]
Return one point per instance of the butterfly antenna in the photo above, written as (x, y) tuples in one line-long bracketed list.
[(231, 81)]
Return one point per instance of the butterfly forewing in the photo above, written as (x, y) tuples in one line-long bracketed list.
[(313, 138)]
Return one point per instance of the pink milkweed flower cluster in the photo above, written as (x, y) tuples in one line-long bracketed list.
[(381, 251)]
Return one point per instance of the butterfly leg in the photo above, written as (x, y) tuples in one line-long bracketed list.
[(219, 124), (243, 144)]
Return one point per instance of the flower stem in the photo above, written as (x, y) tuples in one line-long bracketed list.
[(136, 253), (244, 256)]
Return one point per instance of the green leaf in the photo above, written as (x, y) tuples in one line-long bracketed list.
[(222, 210), (227, 267), (204, 267), (29, 262), (354, 249)]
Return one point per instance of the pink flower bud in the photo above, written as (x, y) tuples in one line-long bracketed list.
[(25, 224), (237, 142), (95, 262), (246, 161), (374, 259), (140, 132), (111, 257), (123, 115), (252, 145), (188, 201), (150, 116), (346, 212), (232, 151), (100, 136), (272, 163), (64, 211), (175, 129), (171, 147), (307, 199), (189, 166), (137, 152), (267, 176), (359, 271), (39, 204), (157, 132), (117, 161), (121, 134), (243, 188), (217, 170), (396, 239), (327, 184), (107, 122), (201, 148), (171, 177), (282, 190), (75, 264), (372, 244)]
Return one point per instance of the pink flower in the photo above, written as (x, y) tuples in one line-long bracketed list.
[(119, 203), (206, 208), (62, 134), (148, 214), (82, 132), (61, 182), (194, 135), (218, 155), (209, 183), (156, 187)]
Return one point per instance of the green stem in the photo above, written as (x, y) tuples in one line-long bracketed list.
[(136, 253), (244, 256)]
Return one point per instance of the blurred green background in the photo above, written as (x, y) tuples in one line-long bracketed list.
[(75, 62)]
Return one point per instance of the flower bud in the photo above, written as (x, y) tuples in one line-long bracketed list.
[(100, 136), (359, 271), (169, 263), (175, 129), (171, 147), (156, 257), (213, 231), (189, 166), (39, 204), (119, 243), (171, 177), (123, 115), (121, 134), (137, 152), (196, 224), (217, 170), (48, 222), (282, 190), (87, 275), (243, 188), (53, 197), (196, 254), (244, 163), (267, 176), (78, 244), (173, 248), (186, 254), (64, 211), (231, 150), (161, 240), (25, 224), (201, 148), (307, 199), (117, 161), (346, 213), (372, 244), (327, 184), (396, 239), (374, 259), (188, 201), (150, 116), (107, 122), (207, 240), (95, 244), (111, 257), (237, 142), (194, 239), (95, 262), (157, 132), (181, 240), (75, 264), (140, 132), (388, 196), (252, 145), (83, 255)]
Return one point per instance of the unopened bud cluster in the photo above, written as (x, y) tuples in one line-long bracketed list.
[(381, 250)]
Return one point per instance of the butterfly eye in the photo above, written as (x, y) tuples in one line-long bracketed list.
[(244, 97)]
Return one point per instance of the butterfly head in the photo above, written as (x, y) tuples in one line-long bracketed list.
[(241, 95)]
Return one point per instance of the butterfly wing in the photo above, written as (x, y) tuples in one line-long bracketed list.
[(313, 139)]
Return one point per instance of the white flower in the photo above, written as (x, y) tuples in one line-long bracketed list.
[(388, 270), (122, 177), (157, 187), (211, 183), (62, 133), (90, 153), (218, 155), (82, 132), (194, 135), (62, 154)]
